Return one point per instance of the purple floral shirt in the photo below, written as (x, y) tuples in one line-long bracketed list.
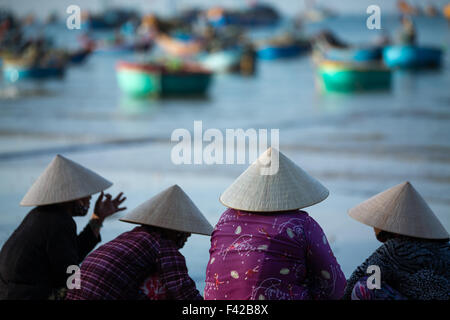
[(271, 256)]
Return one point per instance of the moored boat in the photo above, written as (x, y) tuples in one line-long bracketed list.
[(147, 79), (408, 56), (14, 71), (281, 51), (179, 48), (354, 54), (350, 77), (221, 61), (79, 56)]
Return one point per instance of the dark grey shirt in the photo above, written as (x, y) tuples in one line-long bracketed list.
[(418, 269)]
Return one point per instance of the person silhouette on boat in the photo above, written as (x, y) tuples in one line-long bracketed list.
[(407, 34)]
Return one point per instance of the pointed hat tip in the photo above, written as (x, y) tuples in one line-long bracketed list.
[(406, 184), (59, 157), (268, 152), (175, 187)]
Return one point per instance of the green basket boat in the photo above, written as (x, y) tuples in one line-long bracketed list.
[(350, 77), (152, 79)]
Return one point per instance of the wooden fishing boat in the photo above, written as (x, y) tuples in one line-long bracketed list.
[(350, 77), (142, 80), (407, 56)]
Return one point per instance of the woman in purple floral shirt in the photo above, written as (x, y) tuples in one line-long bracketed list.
[(268, 248)]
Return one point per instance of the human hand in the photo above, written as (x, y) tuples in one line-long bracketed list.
[(107, 207)]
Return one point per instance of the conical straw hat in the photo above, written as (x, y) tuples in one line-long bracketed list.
[(64, 180), (171, 209), (289, 188), (400, 210)]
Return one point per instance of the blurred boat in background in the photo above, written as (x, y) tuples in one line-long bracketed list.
[(14, 71), (350, 77), (327, 46), (281, 51), (282, 47), (139, 80), (413, 57), (256, 15), (222, 61), (354, 54), (34, 63), (108, 19), (172, 78), (79, 56), (179, 48)]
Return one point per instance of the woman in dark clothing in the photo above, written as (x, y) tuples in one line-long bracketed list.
[(414, 261), (34, 260)]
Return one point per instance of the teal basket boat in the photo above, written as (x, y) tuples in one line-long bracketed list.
[(151, 79), (348, 77)]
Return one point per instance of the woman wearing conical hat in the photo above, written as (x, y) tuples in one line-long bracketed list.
[(145, 263), (35, 258), (414, 260), (264, 246)]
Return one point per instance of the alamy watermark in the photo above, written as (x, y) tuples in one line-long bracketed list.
[(374, 20), (74, 280), (220, 148), (374, 281), (73, 21)]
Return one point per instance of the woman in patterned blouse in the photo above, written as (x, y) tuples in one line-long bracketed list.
[(263, 246)]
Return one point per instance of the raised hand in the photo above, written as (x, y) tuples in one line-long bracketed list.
[(105, 206)]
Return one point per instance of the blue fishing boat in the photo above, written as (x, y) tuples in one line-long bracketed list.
[(273, 52), (412, 57)]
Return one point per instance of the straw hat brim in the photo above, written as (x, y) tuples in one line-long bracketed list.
[(290, 188), (62, 181), (400, 210), (170, 209)]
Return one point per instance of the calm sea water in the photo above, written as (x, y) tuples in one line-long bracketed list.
[(357, 145)]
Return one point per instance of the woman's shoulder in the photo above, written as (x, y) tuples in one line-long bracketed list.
[(408, 250)]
